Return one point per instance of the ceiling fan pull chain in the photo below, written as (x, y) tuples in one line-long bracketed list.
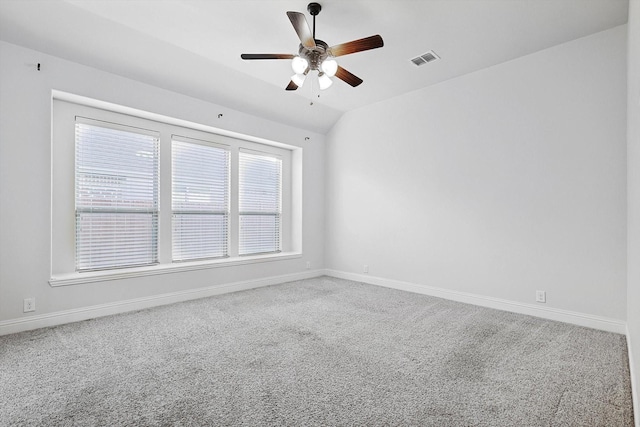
[(312, 91)]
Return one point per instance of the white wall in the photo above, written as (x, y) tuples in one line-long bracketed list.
[(497, 183), (25, 183), (633, 182)]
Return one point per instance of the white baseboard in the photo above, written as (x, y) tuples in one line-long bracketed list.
[(635, 393), (67, 316), (576, 318), (84, 313)]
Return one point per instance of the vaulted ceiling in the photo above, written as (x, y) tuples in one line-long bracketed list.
[(194, 46)]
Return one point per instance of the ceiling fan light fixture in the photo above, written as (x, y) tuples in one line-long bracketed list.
[(299, 64), (329, 67), (298, 79), (316, 55), (324, 81)]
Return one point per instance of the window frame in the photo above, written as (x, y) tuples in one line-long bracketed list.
[(65, 107), (113, 210), (277, 213), (227, 190)]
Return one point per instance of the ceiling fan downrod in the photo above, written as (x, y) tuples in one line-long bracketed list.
[(314, 9)]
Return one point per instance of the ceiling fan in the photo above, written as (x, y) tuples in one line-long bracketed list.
[(316, 55)]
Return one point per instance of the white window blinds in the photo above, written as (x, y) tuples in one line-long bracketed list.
[(200, 199), (260, 189), (116, 196)]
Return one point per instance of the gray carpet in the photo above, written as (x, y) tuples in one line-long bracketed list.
[(316, 352)]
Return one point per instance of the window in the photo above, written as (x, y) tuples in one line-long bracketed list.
[(260, 203), (200, 200), (116, 197), (136, 193)]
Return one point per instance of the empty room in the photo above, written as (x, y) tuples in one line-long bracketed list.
[(344, 212)]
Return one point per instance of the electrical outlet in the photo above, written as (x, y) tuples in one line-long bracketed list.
[(541, 296), (308, 265), (29, 305), (365, 269)]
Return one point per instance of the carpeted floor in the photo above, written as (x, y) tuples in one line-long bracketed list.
[(322, 351)]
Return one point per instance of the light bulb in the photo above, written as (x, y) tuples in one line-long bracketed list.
[(299, 65), (298, 79), (329, 67), (324, 81)]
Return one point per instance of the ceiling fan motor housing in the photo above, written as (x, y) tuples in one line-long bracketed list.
[(315, 55)]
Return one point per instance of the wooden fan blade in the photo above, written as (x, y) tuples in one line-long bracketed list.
[(292, 86), (299, 23), (266, 56), (347, 77), (354, 46)]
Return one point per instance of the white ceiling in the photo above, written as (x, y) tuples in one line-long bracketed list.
[(194, 46)]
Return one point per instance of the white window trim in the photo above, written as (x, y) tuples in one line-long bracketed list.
[(177, 267), (292, 233)]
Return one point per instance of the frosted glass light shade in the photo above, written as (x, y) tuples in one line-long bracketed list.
[(298, 79), (299, 65), (329, 67), (324, 81)]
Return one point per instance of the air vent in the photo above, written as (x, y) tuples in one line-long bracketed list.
[(425, 58)]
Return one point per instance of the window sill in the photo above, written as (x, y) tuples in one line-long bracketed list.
[(103, 276)]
